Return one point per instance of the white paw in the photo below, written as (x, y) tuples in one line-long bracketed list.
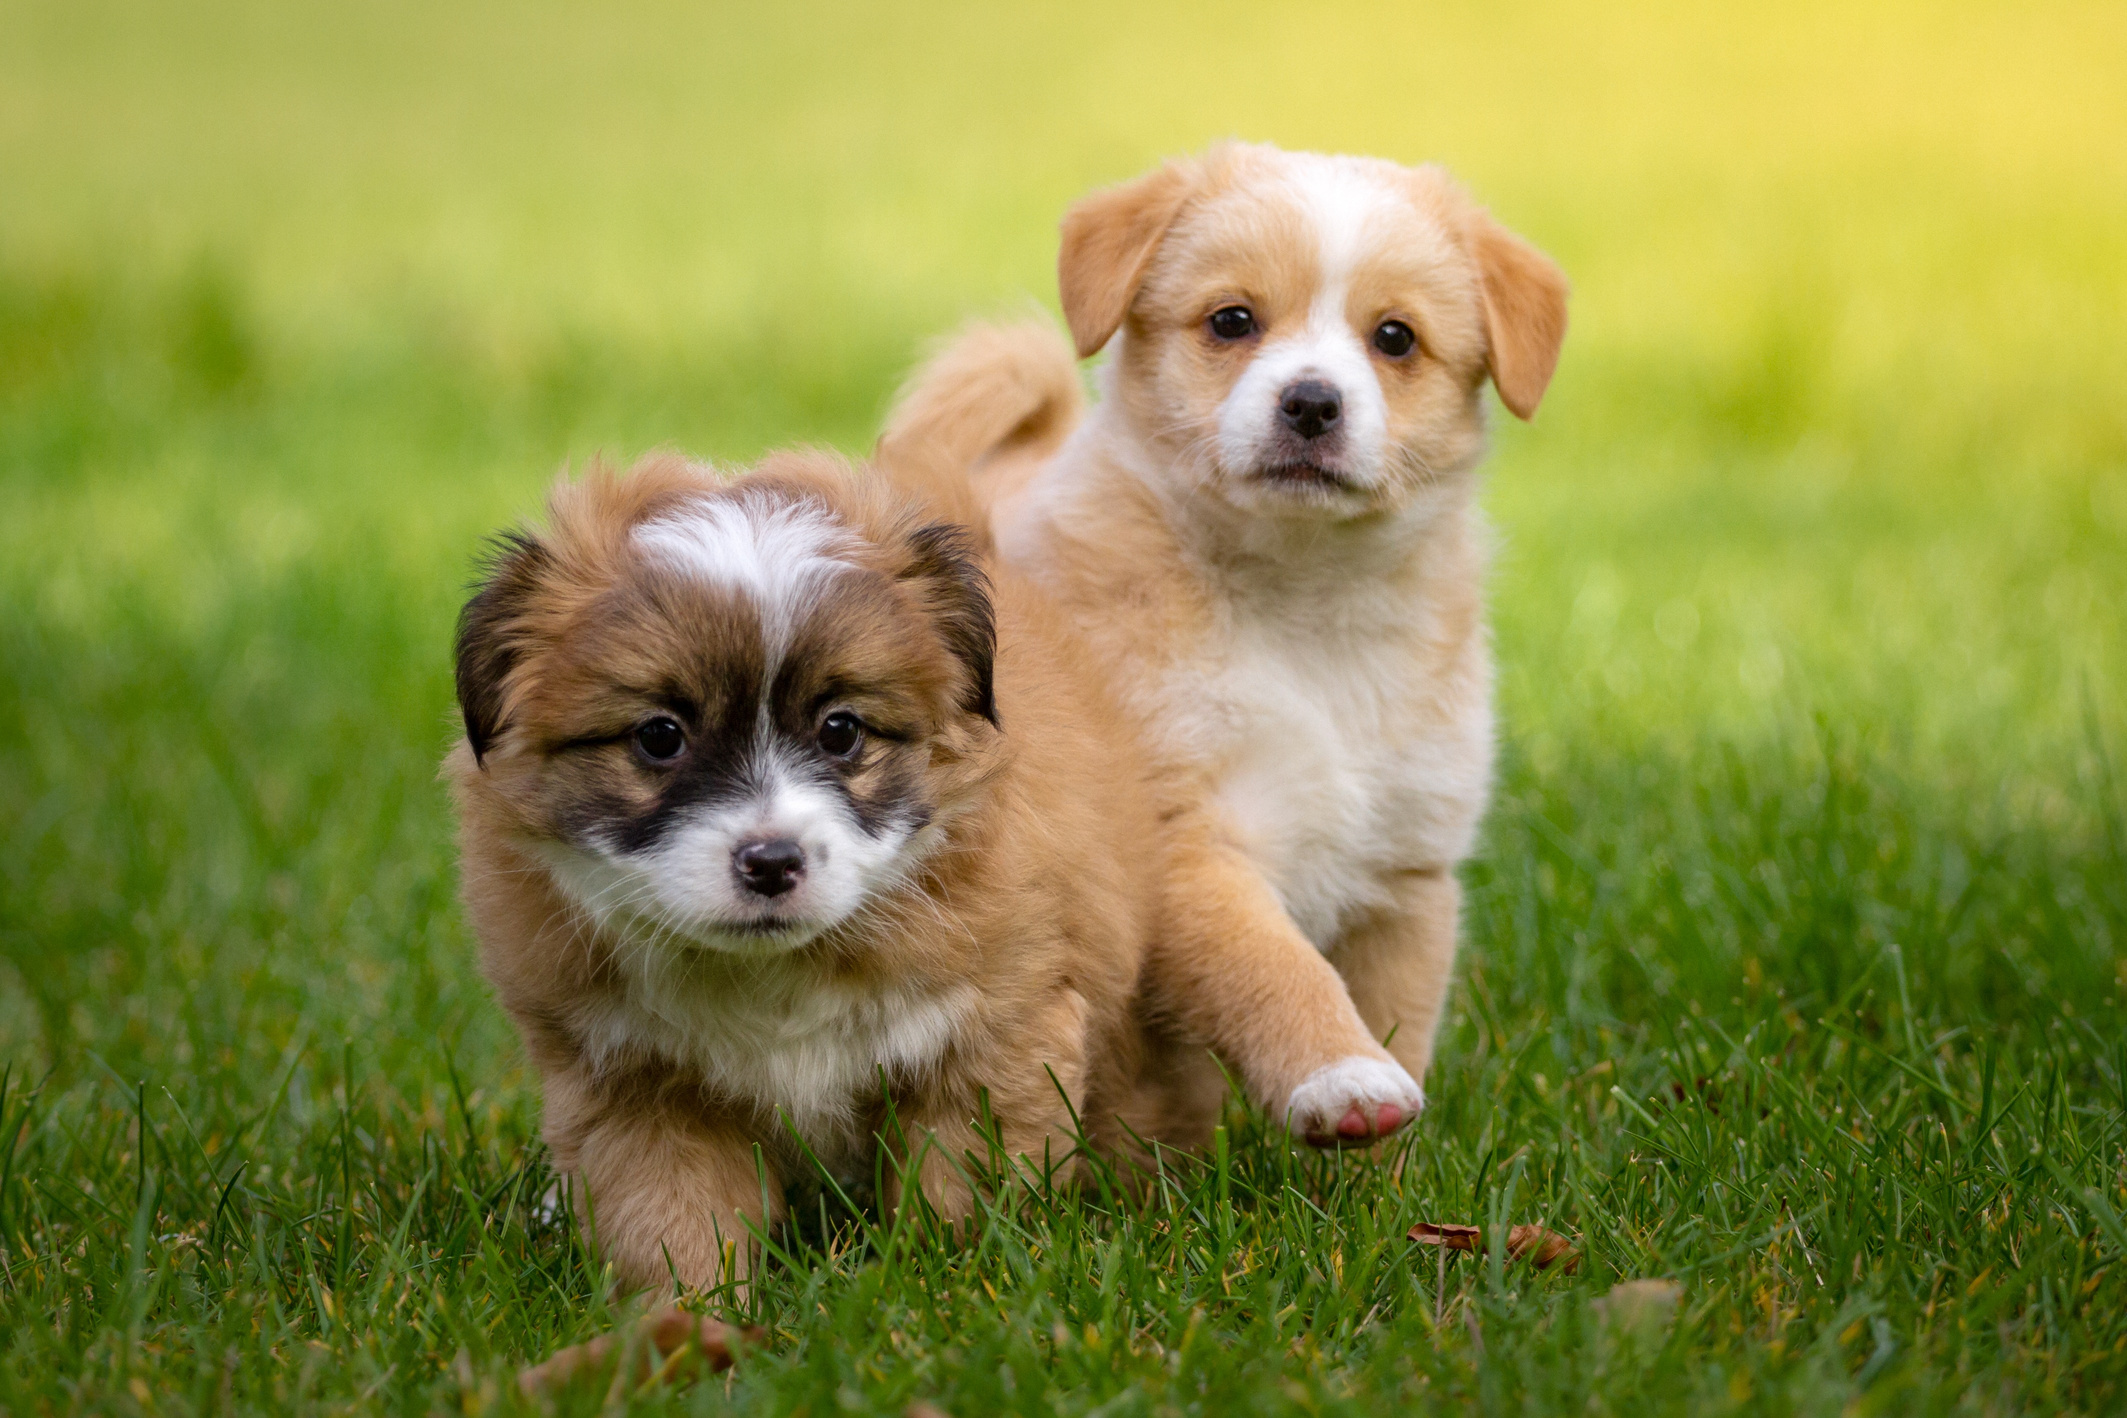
[(548, 1210), (1353, 1101)]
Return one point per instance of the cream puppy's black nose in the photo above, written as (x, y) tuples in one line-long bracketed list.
[(770, 867), (1310, 407)]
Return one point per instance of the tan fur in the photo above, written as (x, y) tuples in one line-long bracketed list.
[(1109, 238), (1036, 907), (1525, 313), (990, 395), (1269, 641)]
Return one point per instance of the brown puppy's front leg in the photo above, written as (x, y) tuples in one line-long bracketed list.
[(1232, 968), (671, 1186), (1398, 964), (1032, 1092), (945, 1141)]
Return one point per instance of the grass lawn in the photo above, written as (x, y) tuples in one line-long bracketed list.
[(1794, 965)]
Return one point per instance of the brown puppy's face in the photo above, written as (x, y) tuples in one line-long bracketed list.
[(1306, 332), (722, 721)]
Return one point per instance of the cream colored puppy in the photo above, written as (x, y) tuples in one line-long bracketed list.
[(1266, 526)]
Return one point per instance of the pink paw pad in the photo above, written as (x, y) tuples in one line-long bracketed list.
[(1353, 1127)]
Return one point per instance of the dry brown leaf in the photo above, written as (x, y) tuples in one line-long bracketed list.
[(1542, 1249), (920, 1409), (1455, 1238), (670, 1344)]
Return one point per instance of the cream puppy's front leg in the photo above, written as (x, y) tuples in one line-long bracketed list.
[(672, 1188), (1233, 968), (1398, 964)]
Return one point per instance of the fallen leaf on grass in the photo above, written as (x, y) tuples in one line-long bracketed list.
[(1455, 1238), (669, 1344), (1542, 1249)]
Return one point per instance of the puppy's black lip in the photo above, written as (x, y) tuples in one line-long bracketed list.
[(762, 928), (1306, 475)]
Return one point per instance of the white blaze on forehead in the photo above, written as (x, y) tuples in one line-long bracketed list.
[(776, 553), (1340, 201)]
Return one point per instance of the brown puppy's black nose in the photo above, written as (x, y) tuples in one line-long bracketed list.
[(770, 868), (1310, 407)]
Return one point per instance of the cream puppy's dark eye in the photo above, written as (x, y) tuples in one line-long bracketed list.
[(661, 739), (1394, 338), (840, 733), (1233, 322)]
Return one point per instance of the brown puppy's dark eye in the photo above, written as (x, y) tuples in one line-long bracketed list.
[(660, 739), (1394, 338), (1233, 322), (840, 733)]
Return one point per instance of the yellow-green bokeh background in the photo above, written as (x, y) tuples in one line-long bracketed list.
[(1839, 428), (1810, 598)]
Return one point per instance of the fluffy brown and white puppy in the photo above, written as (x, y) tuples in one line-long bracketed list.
[(742, 837), (1266, 527)]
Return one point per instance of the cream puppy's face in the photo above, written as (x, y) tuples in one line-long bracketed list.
[(1305, 334), (720, 715)]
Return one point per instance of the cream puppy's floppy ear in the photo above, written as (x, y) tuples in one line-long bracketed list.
[(1108, 241), (1524, 313)]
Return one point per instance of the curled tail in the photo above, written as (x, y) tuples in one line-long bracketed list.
[(991, 389)]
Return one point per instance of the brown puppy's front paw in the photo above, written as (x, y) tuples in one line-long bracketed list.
[(669, 1341), (1353, 1102)]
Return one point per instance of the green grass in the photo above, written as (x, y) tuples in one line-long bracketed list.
[(1794, 964)]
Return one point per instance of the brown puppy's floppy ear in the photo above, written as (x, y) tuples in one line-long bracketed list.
[(1524, 313), (958, 599), (1108, 241), (488, 646)]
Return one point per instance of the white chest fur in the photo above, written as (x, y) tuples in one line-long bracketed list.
[(780, 1034), (1337, 761), (1337, 692)]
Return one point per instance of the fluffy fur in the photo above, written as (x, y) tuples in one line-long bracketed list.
[(719, 914), (1266, 524)]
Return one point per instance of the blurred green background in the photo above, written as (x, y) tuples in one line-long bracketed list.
[(1811, 584), (297, 302)]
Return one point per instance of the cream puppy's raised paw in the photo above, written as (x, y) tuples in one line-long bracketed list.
[(1354, 1101)]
